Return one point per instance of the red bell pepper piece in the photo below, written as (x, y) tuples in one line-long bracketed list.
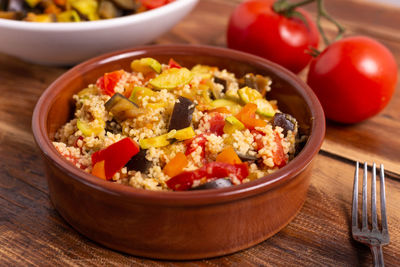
[(116, 156), (212, 170), (108, 81), (173, 64), (151, 4)]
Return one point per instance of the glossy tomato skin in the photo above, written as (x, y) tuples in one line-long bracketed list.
[(354, 79), (255, 28)]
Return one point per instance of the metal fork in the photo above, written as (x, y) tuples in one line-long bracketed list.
[(374, 237)]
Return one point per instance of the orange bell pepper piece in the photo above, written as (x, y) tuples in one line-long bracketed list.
[(228, 155), (247, 116), (99, 170), (175, 165)]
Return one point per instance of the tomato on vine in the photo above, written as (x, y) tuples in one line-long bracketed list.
[(354, 78), (276, 30)]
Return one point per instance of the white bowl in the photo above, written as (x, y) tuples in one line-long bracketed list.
[(70, 43)]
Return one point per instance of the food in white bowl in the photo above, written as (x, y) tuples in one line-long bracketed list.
[(71, 43), (74, 10)]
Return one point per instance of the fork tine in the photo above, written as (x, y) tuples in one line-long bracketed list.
[(373, 198), (355, 199), (364, 200), (383, 200)]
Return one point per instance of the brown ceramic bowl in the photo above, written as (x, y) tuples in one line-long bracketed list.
[(178, 225)]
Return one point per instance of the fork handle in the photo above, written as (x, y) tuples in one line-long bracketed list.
[(377, 255)]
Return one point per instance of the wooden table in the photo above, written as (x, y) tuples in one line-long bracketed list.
[(33, 233)]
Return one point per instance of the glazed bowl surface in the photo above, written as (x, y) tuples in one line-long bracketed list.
[(178, 225), (71, 43)]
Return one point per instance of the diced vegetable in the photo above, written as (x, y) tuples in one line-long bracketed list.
[(122, 108), (165, 139), (87, 92), (41, 18), (257, 82), (116, 156), (68, 16), (217, 123), (285, 121), (107, 10), (279, 156), (173, 64), (233, 106), (99, 170), (87, 8), (90, 128), (158, 141), (183, 134), (248, 95), (204, 71), (31, 3), (126, 4), (176, 165), (184, 180), (172, 78), (138, 93), (108, 81), (232, 124), (228, 155), (151, 4), (182, 114), (215, 184), (264, 108), (247, 117), (146, 65), (139, 162)]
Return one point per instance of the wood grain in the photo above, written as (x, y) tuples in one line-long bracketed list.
[(32, 232)]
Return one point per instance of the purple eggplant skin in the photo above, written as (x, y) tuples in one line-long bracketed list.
[(215, 184), (285, 121), (139, 162), (222, 82), (182, 114)]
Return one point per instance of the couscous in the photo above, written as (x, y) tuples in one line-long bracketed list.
[(167, 127)]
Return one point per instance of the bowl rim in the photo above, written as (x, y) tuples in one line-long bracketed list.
[(98, 24), (185, 198)]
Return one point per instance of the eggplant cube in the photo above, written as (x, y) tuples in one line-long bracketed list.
[(182, 114)]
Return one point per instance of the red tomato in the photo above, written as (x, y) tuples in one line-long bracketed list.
[(354, 79), (254, 27)]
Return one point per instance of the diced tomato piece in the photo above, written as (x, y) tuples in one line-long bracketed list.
[(280, 158), (108, 81), (116, 156), (217, 123), (257, 135), (192, 144), (173, 64)]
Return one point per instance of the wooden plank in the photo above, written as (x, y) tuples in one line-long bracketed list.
[(33, 233)]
